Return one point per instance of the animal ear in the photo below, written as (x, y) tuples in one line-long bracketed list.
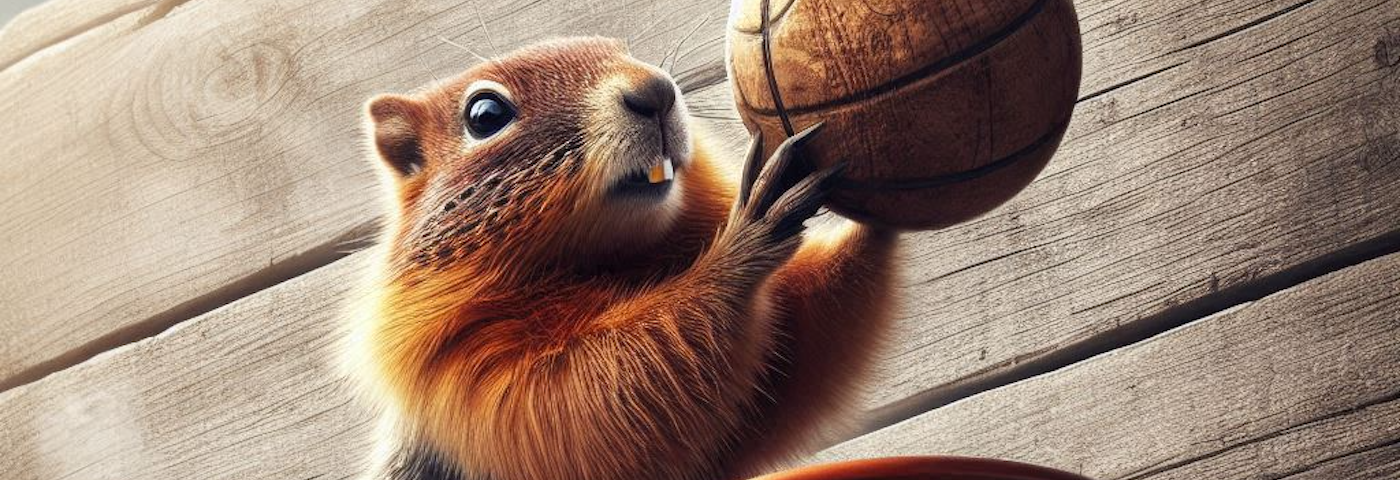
[(397, 121)]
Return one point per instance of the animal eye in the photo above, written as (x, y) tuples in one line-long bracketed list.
[(488, 113)]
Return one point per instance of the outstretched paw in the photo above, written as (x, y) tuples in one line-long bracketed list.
[(777, 196)]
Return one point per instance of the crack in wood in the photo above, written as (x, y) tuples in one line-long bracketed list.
[(1129, 82), (1393, 396), (1324, 462), (275, 273), (1256, 22)]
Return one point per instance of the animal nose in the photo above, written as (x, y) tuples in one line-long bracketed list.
[(652, 97)]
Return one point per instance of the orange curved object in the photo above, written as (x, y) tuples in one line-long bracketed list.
[(924, 468)]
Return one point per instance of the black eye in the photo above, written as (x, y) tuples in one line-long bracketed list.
[(488, 113)]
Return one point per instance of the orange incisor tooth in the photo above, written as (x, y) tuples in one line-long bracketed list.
[(657, 174), (661, 172)]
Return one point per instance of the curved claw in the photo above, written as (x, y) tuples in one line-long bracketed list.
[(768, 183), (802, 200), (753, 163)]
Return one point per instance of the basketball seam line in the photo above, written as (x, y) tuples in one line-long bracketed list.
[(932, 69), (765, 24), (754, 33)]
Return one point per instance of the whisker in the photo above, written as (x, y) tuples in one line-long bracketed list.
[(464, 48), (675, 49), (695, 49), (489, 43), (419, 58)]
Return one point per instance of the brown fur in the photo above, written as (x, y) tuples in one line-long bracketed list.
[(519, 330)]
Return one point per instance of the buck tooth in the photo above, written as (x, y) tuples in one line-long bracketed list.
[(661, 172), (657, 174)]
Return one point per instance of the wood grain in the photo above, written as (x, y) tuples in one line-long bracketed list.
[(54, 21), (1301, 384), (176, 162), (246, 391)]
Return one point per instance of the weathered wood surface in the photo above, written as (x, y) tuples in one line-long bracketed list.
[(1257, 151), (246, 391), (198, 199), (54, 21), (1300, 384), (171, 164)]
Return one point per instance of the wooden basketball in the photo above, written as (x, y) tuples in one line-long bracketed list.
[(943, 109)]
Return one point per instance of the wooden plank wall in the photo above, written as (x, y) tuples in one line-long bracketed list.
[(1199, 284)]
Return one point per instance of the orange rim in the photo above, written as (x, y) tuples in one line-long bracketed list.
[(924, 468)]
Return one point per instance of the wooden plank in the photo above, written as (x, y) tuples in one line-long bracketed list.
[(1301, 384), (246, 391), (221, 152), (53, 21)]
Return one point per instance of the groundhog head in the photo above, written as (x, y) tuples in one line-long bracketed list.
[(568, 148)]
